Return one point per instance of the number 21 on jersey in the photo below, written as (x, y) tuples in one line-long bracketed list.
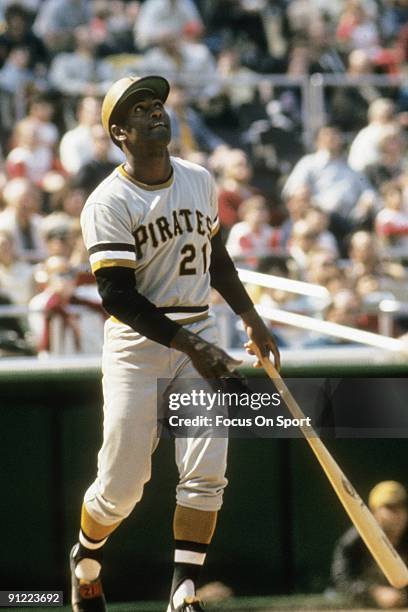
[(189, 262)]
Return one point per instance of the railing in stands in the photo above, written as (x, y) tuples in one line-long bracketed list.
[(387, 308)]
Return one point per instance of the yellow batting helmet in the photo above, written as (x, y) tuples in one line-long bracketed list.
[(121, 91), (388, 492)]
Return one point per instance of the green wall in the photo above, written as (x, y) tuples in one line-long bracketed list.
[(275, 533)]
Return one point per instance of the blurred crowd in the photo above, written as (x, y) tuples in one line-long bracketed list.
[(332, 211)]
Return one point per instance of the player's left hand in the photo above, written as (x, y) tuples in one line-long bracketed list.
[(260, 336)]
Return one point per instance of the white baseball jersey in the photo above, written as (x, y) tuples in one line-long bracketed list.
[(163, 232)]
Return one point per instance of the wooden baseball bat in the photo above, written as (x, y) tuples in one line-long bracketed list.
[(374, 537)]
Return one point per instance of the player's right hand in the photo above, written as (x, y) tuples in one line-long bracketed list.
[(209, 360)]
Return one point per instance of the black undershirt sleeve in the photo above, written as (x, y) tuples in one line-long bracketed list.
[(224, 277), (120, 298)]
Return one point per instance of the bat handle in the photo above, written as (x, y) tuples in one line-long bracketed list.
[(269, 367), (265, 361)]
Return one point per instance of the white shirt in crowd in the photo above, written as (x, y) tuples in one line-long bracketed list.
[(334, 185), (17, 281), (162, 17), (71, 73), (364, 148), (8, 222), (196, 70), (36, 162), (243, 240), (76, 149)]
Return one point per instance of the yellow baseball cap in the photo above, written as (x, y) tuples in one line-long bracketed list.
[(123, 89), (387, 493)]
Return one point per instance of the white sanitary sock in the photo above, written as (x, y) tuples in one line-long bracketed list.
[(186, 589), (87, 569)]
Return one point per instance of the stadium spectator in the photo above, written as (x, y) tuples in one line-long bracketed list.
[(319, 222), (18, 34), (41, 111), (112, 26), (79, 259), (299, 59), (344, 309), (56, 326), (335, 186), (76, 144), (348, 106), (322, 269), (59, 239), (402, 44), (161, 19), (15, 75), (71, 199), (21, 219), (393, 19), (296, 207), (391, 223), (403, 180), (16, 276), (57, 19), (368, 287), (57, 229), (356, 29), (233, 76), (302, 13), (100, 165), (325, 54), (253, 237), (354, 573), (364, 255), (50, 308), (31, 6), (188, 129), (365, 261), (190, 63), (392, 148), (79, 72), (364, 149), (303, 241), (309, 238), (31, 157), (234, 187), (253, 28), (14, 340)]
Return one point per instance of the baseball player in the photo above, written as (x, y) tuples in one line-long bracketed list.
[(151, 230)]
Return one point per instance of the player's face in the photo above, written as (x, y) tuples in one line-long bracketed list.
[(147, 122)]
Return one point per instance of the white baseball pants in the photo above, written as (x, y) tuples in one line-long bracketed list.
[(131, 366)]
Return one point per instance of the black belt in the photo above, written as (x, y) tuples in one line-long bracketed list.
[(166, 309)]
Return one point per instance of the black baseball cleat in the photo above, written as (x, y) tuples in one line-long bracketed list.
[(86, 596), (190, 604)]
